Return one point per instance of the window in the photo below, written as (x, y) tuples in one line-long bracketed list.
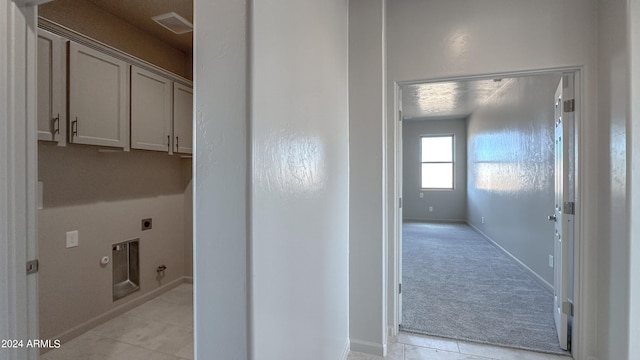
[(437, 162)]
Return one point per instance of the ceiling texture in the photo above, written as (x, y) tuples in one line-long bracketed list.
[(140, 12), (447, 100)]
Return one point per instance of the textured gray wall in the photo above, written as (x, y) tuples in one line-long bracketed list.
[(366, 226), (104, 196), (511, 170), (446, 204)]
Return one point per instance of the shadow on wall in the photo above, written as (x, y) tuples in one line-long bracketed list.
[(75, 175)]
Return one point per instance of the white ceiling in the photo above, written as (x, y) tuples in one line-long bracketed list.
[(442, 100)]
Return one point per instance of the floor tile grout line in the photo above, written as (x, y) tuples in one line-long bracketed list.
[(100, 334), (150, 320), (134, 345), (450, 352), (492, 348), (458, 346)]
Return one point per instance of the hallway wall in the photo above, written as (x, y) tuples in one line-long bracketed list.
[(614, 101), (300, 172), (511, 170), (367, 317), (272, 204), (220, 180)]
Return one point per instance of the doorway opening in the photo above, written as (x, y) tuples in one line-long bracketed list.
[(114, 230), (503, 165)]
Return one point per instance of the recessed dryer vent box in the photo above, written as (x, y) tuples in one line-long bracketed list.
[(126, 268)]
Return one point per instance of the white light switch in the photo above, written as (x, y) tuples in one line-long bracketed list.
[(72, 238), (550, 260)]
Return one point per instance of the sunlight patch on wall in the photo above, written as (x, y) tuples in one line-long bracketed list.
[(291, 163)]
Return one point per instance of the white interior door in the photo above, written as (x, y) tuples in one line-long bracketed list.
[(563, 212), (399, 179)]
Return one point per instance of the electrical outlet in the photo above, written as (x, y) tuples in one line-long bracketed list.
[(421, 195), (550, 261), (72, 238), (430, 208), (483, 219)]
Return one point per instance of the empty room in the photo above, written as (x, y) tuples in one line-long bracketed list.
[(482, 171)]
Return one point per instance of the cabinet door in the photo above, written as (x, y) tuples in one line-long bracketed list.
[(150, 111), (182, 118), (98, 98), (52, 90)]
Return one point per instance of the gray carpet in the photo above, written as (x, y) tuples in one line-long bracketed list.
[(456, 284)]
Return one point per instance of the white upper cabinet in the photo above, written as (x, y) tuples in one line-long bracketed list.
[(98, 98), (151, 111), (182, 118), (52, 90)]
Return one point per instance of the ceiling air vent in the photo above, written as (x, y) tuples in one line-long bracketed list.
[(174, 23)]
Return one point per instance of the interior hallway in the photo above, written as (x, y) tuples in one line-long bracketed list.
[(160, 329)]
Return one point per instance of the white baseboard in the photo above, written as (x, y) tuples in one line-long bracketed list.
[(368, 347), (117, 311), (345, 352), (434, 220), (537, 277)]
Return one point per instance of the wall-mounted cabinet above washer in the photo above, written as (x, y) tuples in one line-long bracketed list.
[(98, 98), (182, 118), (91, 94), (151, 111), (52, 87)]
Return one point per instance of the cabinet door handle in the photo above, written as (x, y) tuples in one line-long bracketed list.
[(177, 144), (168, 142), (74, 127), (55, 122)]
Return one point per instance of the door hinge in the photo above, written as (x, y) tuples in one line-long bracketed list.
[(400, 203), (567, 308), (32, 266), (399, 288), (569, 106), (569, 208)]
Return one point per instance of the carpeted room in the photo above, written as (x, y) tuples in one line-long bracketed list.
[(477, 254)]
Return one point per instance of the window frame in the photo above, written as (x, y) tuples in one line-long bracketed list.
[(452, 162)]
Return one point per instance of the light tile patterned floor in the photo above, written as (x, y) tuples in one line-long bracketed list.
[(416, 347), (160, 329)]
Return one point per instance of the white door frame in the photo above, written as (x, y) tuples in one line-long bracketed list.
[(396, 266), (18, 176), (584, 269)]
